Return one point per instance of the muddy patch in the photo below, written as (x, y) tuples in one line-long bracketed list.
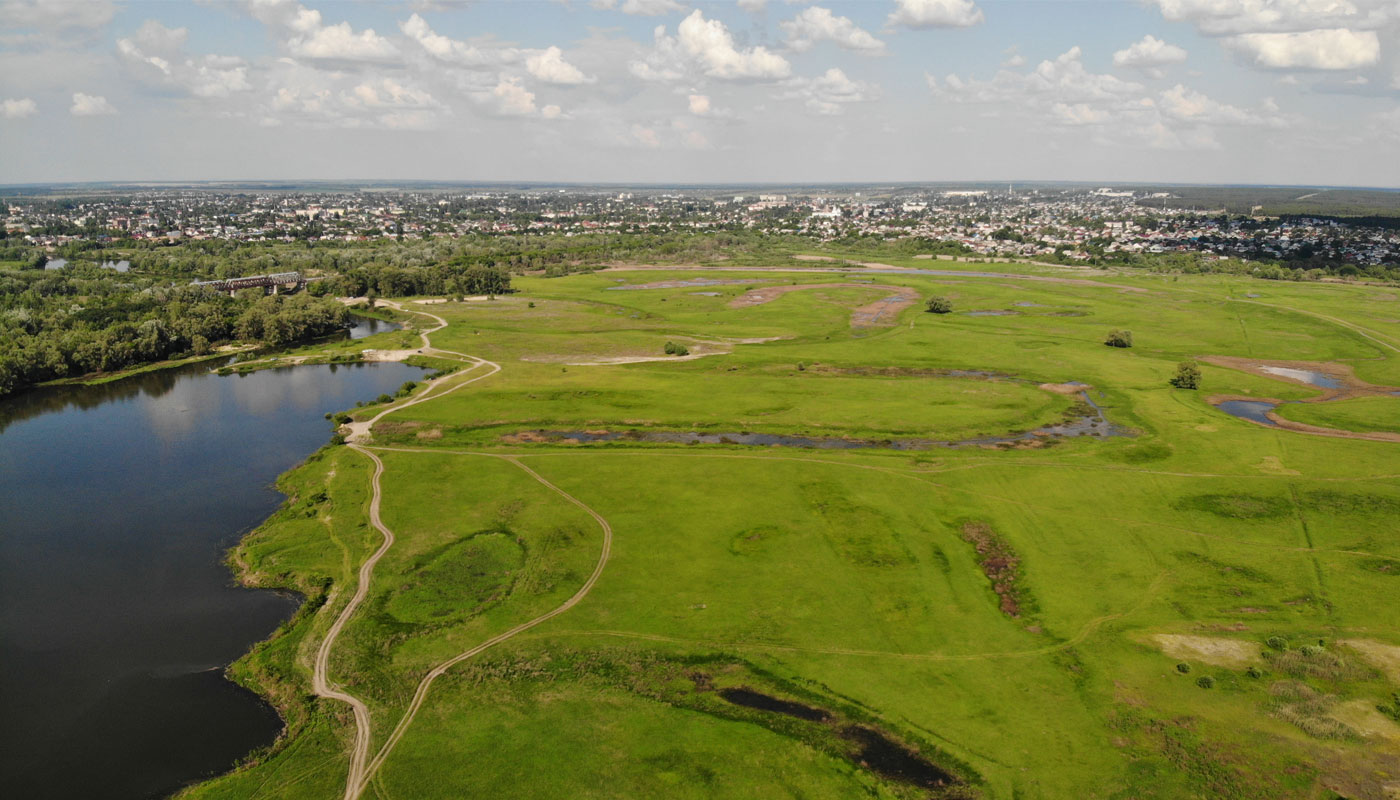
[(748, 698), (1000, 564), (881, 313), (1213, 650), (681, 284), (992, 312), (865, 746)]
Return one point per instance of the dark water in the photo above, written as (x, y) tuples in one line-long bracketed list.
[(361, 327), (1252, 410), (117, 614)]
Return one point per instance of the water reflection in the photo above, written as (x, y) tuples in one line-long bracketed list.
[(117, 614)]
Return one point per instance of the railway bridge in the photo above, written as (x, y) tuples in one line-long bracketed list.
[(276, 282)]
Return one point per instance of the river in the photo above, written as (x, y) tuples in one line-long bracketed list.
[(117, 614)]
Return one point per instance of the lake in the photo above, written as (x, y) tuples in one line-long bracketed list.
[(117, 614)]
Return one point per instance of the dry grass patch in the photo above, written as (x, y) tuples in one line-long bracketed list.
[(1382, 656), (1214, 650)]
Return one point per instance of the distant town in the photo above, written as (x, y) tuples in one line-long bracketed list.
[(1081, 224)]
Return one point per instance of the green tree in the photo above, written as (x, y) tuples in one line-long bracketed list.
[(1119, 339), (939, 305), (1188, 376)]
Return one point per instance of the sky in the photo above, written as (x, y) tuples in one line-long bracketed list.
[(669, 91)]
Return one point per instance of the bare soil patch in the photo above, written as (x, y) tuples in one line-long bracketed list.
[(1382, 656), (1214, 650), (881, 313), (1065, 388), (1362, 717), (999, 563)]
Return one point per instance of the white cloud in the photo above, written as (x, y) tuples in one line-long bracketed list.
[(1232, 17), (452, 51), (340, 42), (935, 14), (699, 105), (60, 23), (18, 108), (643, 8), (817, 24), (512, 99), (752, 6), (1062, 92), (1149, 54), (157, 54), (549, 66), (88, 105), (829, 93), (646, 137), (1335, 48), (706, 47), (552, 112), (307, 36)]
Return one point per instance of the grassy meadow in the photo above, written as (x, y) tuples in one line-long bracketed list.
[(1198, 607)]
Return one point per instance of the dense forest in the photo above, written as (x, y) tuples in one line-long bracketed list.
[(84, 320)]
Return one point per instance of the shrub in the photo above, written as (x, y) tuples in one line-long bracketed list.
[(1119, 339), (341, 419), (939, 305), (1188, 376), (407, 388), (384, 398), (532, 304), (682, 350), (802, 365), (1183, 668), (1206, 682), (670, 348), (1254, 672), (1276, 643)]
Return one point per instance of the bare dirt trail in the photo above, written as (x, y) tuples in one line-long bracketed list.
[(359, 771), (353, 791), (321, 683)]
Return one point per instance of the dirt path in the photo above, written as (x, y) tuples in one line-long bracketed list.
[(361, 779), (361, 770), (321, 684)]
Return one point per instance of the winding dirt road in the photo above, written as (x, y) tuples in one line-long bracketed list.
[(360, 772)]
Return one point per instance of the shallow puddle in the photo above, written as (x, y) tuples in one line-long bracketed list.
[(1305, 375), (997, 312), (1252, 410), (748, 698)]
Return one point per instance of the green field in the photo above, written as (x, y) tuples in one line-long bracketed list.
[(1199, 607)]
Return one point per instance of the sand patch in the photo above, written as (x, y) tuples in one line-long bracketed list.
[(390, 355), (1382, 656), (1065, 388), (1362, 717), (1220, 652)]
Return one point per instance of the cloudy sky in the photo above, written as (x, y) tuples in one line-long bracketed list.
[(1251, 91)]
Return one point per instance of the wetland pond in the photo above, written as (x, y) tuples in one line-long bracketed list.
[(1093, 423), (117, 613)]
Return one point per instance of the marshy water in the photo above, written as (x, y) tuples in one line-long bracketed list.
[(1252, 410), (1093, 423), (117, 613)]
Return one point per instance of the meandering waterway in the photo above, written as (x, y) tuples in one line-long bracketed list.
[(117, 503)]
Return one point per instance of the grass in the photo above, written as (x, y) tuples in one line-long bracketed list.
[(1362, 414), (875, 585)]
